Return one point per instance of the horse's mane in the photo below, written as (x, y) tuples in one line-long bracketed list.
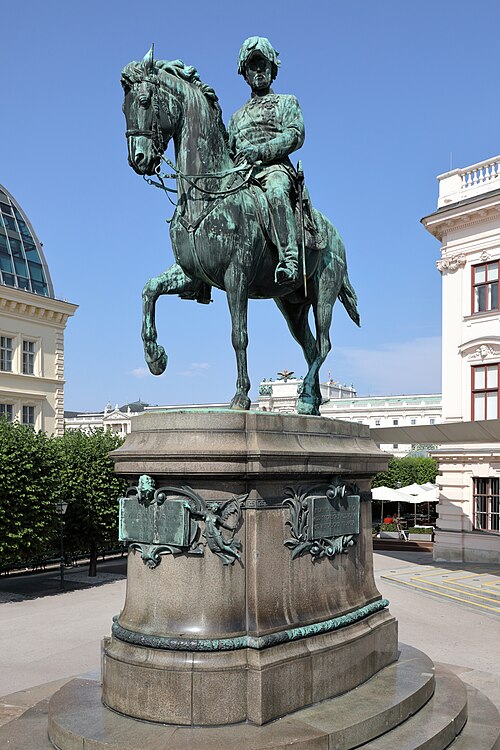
[(135, 72)]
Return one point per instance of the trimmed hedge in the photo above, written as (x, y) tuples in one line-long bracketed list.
[(36, 471)]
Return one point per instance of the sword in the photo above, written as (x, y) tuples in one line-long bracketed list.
[(300, 191)]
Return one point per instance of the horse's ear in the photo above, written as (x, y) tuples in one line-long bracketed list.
[(149, 60)]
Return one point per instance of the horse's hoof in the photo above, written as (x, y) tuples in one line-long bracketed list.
[(240, 403), (308, 407), (158, 365)]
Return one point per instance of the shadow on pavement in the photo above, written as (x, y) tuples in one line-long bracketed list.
[(23, 586)]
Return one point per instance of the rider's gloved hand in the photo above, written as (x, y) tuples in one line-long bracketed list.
[(248, 153)]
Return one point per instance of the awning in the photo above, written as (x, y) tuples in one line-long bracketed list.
[(485, 431)]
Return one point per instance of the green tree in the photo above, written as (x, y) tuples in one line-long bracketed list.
[(29, 482), (92, 489), (406, 470)]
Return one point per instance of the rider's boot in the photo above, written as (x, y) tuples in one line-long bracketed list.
[(288, 252)]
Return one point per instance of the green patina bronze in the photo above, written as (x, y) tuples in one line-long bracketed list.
[(246, 641), (166, 521), (239, 224), (324, 521)]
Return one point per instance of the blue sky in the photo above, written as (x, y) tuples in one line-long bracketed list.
[(393, 94)]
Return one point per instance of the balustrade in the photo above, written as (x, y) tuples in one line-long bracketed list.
[(475, 179)]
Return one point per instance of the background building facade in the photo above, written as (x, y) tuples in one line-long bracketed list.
[(341, 402), (32, 323), (117, 419), (467, 224)]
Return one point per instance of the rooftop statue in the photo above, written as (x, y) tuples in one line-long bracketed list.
[(243, 221)]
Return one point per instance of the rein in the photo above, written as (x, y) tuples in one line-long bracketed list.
[(156, 136), (192, 179)]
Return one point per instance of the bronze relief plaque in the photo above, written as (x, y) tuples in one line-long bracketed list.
[(166, 523), (333, 518)]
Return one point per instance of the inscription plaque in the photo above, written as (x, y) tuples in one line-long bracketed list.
[(322, 525), (333, 518), (167, 523)]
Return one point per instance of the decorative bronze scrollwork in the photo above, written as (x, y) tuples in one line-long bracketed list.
[(166, 521), (322, 523)]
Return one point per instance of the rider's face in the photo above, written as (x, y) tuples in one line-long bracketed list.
[(258, 72)]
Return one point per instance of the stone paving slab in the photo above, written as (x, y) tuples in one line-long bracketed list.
[(14, 705)]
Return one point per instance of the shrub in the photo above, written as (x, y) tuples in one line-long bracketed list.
[(29, 487), (406, 471)]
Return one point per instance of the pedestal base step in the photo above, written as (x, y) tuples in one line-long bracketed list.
[(396, 709), (406, 706)]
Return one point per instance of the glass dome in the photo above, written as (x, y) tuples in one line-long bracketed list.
[(22, 262)]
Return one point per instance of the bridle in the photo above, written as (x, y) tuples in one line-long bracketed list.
[(155, 133)]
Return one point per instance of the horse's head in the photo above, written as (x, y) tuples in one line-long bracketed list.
[(150, 124)]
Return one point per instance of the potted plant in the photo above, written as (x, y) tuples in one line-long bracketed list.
[(420, 533), (389, 531)]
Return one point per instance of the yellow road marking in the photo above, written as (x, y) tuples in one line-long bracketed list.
[(477, 588), (459, 586), (440, 593), (451, 588), (474, 575), (473, 588)]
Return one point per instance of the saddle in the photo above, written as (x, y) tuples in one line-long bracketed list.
[(315, 234)]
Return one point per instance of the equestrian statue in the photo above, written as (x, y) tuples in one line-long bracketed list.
[(243, 222)]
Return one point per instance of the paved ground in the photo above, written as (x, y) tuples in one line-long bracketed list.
[(444, 624), (48, 636)]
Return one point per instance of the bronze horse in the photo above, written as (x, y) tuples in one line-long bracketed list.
[(218, 231)]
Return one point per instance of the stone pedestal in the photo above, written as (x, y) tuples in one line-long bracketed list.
[(253, 634), (210, 637)]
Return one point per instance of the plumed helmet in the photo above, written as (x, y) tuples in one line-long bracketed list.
[(262, 45)]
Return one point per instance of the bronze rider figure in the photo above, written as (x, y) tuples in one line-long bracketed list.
[(264, 132)]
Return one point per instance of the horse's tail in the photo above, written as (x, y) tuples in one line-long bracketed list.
[(348, 297)]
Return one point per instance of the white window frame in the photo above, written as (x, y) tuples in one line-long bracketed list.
[(483, 390), (33, 354), (485, 504), (3, 412), (28, 406), (12, 338)]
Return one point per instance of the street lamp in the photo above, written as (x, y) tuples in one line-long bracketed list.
[(61, 508), (398, 487)]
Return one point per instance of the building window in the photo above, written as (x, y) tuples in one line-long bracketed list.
[(28, 357), (395, 422), (6, 412), (485, 392), (6, 353), (432, 420), (29, 415), (486, 504), (485, 287), (395, 446), (413, 421), (377, 423)]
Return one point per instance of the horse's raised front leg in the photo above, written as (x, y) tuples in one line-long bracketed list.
[(172, 281), (237, 299)]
